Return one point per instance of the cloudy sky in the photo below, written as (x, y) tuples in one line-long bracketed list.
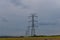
[(14, 16)]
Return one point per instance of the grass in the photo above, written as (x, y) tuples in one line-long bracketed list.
[(33, 38)]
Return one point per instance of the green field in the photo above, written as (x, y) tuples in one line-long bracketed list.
[(32, 38)]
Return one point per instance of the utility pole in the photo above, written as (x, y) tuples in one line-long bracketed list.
[(33, 25)]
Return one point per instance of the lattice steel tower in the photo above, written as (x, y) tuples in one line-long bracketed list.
[(33, 22)]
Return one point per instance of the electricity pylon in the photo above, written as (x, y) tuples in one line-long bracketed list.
[(33, 22)]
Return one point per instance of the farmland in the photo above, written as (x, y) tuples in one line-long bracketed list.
[(32, 38)]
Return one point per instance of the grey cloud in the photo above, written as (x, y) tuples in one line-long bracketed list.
[(16, 2), (45, 10), (3, 19), (47, 23)]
